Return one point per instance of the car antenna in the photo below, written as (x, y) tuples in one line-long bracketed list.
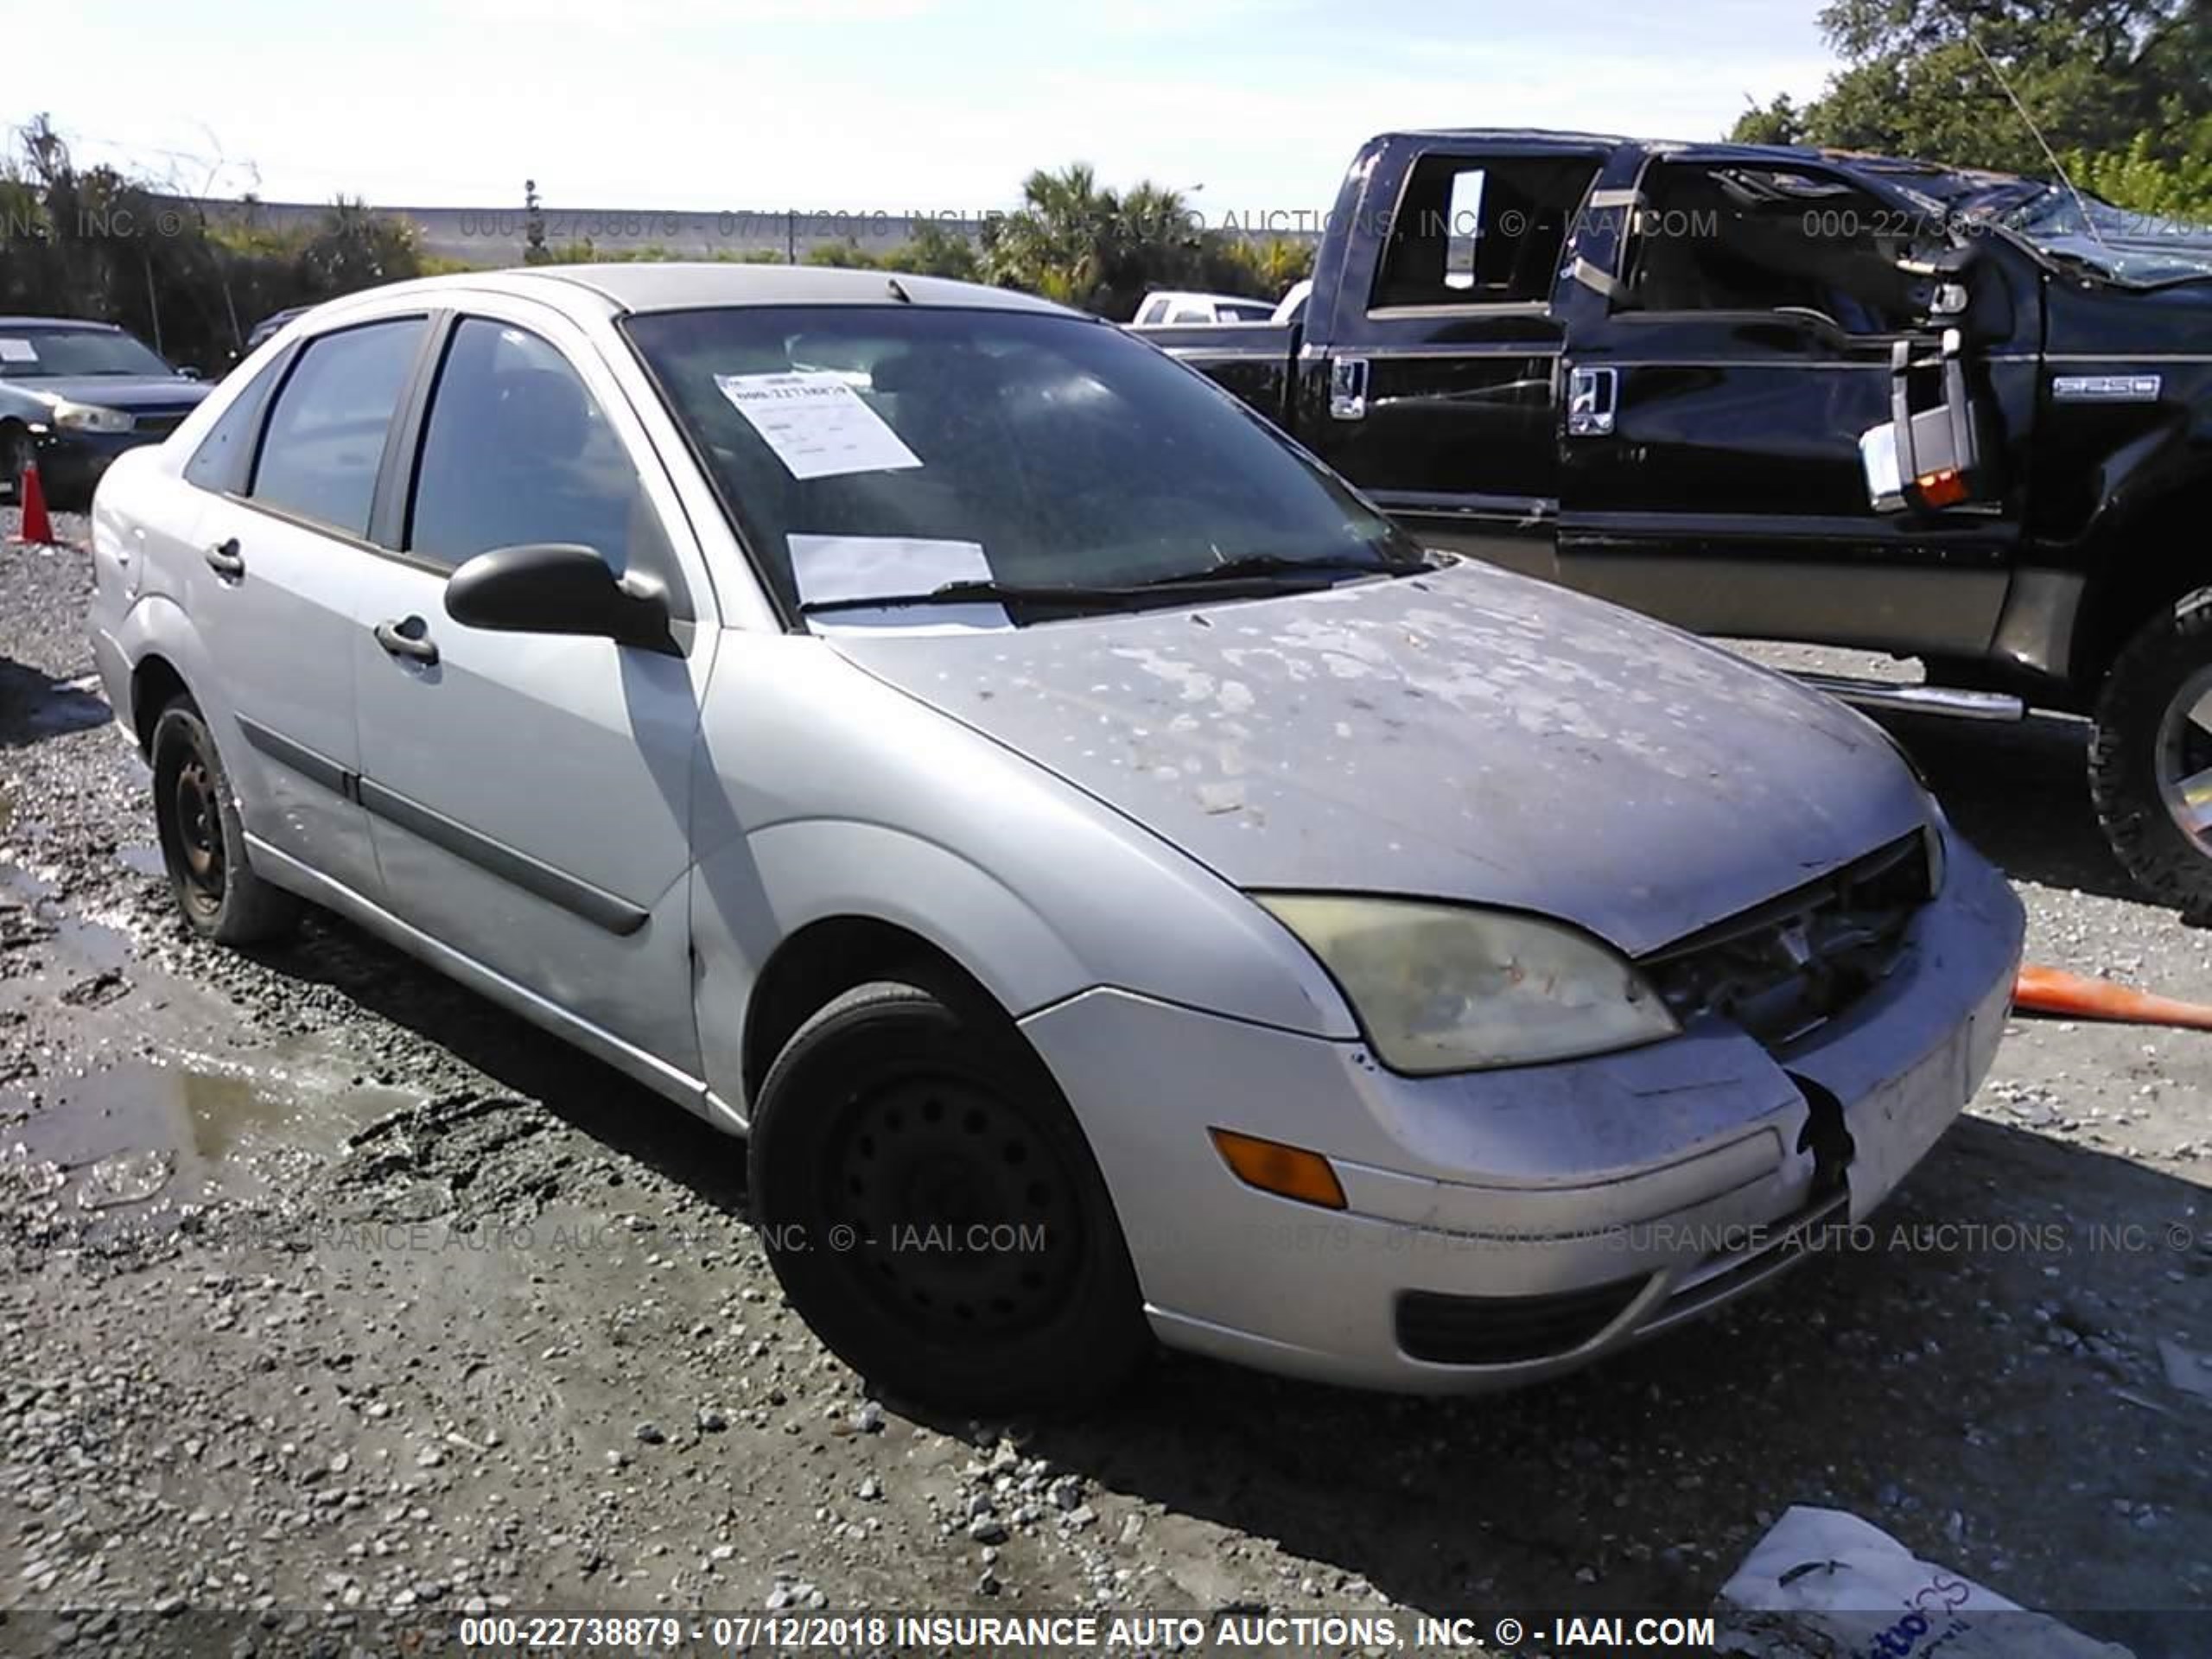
[(898, 292), (2080, 203)]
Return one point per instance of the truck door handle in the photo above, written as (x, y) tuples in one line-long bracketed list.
[(1592, 397), (224, 560), (1347, 388), (408, 638)]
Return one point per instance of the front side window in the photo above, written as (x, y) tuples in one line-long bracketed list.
[(51, 353), (1744, 239), (516, 451), (1487, 231), (901, 446), (325, 436)]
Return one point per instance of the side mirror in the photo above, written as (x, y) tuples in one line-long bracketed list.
[(559, 588)]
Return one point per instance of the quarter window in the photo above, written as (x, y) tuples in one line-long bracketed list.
[(327, 433), (516, 451), (226, 454)]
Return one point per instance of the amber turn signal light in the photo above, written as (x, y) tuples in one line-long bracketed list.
[(1288, 1172), (1943, 489)]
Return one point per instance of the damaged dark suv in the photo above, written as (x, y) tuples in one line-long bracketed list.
[(1783, 393)]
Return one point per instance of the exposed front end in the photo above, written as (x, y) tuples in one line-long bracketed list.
[(1501, 1226)]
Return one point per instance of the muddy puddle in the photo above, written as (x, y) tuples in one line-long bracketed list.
[(145, 1138)]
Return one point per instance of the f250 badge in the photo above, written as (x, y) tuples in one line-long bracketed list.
[(2105, 388)]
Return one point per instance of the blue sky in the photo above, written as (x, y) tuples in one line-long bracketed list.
[(863, 104)]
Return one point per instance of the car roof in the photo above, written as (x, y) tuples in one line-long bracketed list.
[(677, 285), (63, 322), (1894, 169)]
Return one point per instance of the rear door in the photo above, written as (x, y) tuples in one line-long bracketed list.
[(530, 794), (281, 547), (1439, 357), (1730, 348)]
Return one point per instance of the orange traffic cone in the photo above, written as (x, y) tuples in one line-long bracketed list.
[(2049, 990), (37, 528)]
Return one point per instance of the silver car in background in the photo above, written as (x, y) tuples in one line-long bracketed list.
[(1119, 886)]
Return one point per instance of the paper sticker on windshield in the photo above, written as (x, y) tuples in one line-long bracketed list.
[(17, 351), (817, 424), (827, 568)]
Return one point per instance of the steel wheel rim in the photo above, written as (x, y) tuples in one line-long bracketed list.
[(200, 865), (949, 1212)]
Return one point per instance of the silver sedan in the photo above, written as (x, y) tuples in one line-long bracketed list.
[(1123, 889)]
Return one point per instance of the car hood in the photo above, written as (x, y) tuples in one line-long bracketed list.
[(1470, 736), (129, 391)]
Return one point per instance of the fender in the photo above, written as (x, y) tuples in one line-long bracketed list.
[(156, 625), (751, 896)]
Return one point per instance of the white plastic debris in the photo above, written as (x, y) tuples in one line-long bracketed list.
[(2188, 1372), (1844, 1586)]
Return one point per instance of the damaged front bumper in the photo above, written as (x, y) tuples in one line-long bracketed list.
[(1502, 1226)]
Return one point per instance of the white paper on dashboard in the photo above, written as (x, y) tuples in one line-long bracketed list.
[(17, 351), (817, 424), (829, 568)]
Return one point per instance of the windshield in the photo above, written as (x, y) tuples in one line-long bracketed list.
[(2143, 248), (39, 353), (891, 450)]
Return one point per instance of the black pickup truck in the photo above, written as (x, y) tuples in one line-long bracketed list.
[(1794, 394)]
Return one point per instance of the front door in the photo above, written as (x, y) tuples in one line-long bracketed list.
[(530, 794), (1722, 372), (1441, 378)]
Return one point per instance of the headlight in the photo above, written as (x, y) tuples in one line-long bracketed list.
[(90, 418), (1444, 987)]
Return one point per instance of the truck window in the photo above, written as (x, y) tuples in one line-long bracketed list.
[(1191, 314), (1732, 238), (1155, 310), (1487, 231)]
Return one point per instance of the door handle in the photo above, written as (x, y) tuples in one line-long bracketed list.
[(1592, 397), (408, 638), (1347, 388), (224, 560)]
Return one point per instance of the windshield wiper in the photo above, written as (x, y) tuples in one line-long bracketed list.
[(982, 593), (1260, 567), (1257, 576)]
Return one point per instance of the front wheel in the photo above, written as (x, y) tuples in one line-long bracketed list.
[(932, 1211), (2151, 758)]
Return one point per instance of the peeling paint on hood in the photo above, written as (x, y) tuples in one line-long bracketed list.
[(1471, 735)]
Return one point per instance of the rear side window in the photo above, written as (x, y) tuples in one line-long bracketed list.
[(516, 451), (1487, 231), (326, 434)]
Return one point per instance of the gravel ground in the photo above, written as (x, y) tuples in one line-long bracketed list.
[(328, 1285)]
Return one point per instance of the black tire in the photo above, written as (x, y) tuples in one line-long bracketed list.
[(14, 455), (203, 843), (911, 1105), (2144, 743)]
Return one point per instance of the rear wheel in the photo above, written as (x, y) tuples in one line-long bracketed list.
[(203, 842), (2150, 758), (932, 1208)]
